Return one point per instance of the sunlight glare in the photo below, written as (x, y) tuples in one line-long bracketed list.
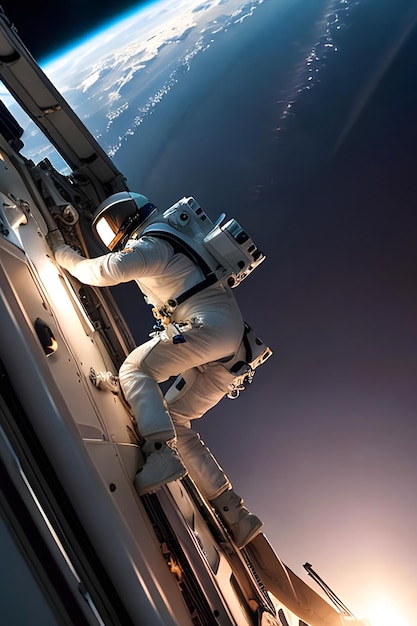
[(385, 615)]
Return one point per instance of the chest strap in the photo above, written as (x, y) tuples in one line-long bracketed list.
[(182, 247)]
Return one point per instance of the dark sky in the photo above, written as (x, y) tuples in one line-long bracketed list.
[(47, 27), (342, 267)]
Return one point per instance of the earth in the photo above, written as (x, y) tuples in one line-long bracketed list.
[(298, 119)]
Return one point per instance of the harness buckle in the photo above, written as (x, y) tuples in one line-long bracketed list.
[(244, 370), (164, 314)]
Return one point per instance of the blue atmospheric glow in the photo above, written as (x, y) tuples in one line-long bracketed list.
[(97, 32)]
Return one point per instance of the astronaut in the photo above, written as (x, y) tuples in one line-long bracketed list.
[(202, 336)]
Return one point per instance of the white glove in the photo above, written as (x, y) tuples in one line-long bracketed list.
[(55, 239)]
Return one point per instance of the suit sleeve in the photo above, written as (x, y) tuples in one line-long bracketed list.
[(144, 258)]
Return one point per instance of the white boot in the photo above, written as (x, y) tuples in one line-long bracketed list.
[(162, 466), (243, 525)]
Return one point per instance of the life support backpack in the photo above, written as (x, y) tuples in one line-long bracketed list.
[(223, 251)]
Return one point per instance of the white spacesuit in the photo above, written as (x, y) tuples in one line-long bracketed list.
[(202, 336)]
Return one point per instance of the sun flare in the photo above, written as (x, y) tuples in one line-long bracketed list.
[(385, 615)]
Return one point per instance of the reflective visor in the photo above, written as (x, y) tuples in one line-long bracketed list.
[(116, 239), (105, 231)]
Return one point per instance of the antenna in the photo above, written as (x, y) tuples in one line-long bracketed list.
[(329, 592)]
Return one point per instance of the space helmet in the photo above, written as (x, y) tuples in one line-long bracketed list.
[(120, 216)]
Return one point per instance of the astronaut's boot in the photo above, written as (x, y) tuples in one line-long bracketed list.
[(243, 525), (162, 465)]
